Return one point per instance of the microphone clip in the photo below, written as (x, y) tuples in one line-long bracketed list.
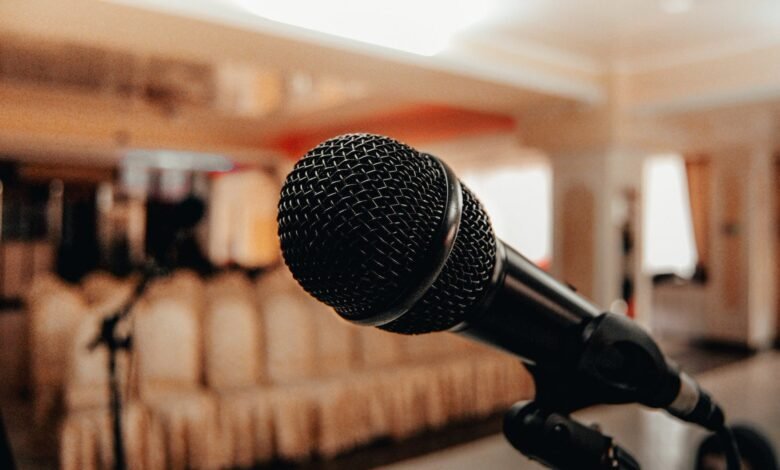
[(614, 362), (557, 441)]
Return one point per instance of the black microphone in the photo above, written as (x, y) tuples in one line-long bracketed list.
[(389, 237)]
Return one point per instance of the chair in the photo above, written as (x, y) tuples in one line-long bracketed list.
[(86, 434), (167, 348), (234, 369), (336, 341), (106, 292), (86, 383), (55, 311), (86, 379), (379, 349), (289, 338), (310, 356), (86, 440)]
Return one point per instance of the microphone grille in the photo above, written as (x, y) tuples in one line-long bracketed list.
[(463, 280), (356, 215)]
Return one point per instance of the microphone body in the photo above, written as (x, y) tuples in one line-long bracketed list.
[(579, 356), (389, 237), (552, 319)]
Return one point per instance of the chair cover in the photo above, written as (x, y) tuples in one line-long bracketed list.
[(55, 311), (86, 440)]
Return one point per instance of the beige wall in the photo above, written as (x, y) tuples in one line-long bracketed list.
[(598, 153)]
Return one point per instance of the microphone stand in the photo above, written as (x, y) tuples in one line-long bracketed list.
[(558, 441), (6, 456), (542, 429), (108, 337), (612, 363)]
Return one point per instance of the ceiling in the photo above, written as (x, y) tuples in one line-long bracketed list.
[(512, 58), (634, 32), (614, 32), (539, 48)]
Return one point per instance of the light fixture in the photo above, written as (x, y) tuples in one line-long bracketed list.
[(422, 27)]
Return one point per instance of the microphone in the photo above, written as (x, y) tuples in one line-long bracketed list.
[(389, 237)]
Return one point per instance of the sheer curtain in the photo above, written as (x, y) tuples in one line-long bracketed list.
[(668, 235), (698, 171)]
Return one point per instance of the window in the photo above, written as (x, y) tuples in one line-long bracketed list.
[(518, 199), (668, 239)]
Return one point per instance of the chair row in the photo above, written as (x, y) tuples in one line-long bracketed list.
[(293, 422), (225, 372)]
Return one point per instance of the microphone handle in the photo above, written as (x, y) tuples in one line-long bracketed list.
[(529, 313), (578, 355)]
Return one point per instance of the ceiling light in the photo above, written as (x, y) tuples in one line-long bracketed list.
[(422, 27)]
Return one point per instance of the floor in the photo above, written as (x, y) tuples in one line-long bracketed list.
[(749, 390), (696, 357)]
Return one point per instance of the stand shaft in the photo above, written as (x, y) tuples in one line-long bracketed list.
[(108, 337), (6, 457), (116, 413)]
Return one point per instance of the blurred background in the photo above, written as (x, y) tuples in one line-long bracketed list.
[(628, 147)]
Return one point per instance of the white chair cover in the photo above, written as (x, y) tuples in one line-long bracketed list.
[(379, 349), (55, 311), (286, 378), (289, 338), (336, 342), (232, 344), (86, 383), (168, 351), (86, 440)]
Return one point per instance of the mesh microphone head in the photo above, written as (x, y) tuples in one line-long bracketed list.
[(358, 215)]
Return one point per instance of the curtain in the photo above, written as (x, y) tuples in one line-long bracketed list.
[(699, 173)]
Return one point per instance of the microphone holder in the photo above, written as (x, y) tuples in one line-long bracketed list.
[(612, 362), (557, 441), (107, 336)]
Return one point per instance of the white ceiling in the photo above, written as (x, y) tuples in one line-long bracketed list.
[(575, 41), (526, 57), (520, 53), (634, 32), (622, 32)]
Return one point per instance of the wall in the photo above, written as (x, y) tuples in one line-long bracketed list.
[(738, 301), (597, 153)]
